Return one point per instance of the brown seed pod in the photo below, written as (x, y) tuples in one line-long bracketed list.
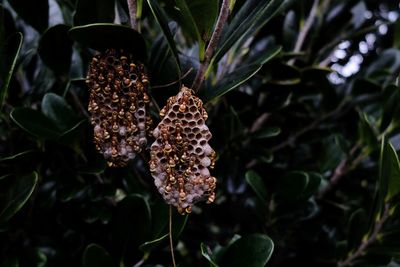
[(181, 156), (117, 104)]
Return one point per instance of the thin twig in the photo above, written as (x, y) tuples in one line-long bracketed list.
[(174, 82), (171, 242), (212, 45), (305, 29), (368, 242), (132, 6), (341, 169)]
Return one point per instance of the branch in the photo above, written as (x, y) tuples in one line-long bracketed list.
[(305, 29), (212, 45), (368, 242), (132, 6)]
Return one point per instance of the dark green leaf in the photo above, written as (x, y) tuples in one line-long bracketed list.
[(205, 251), (252, 17), (8, 53), (367, 133), (389, 172), (257, 184), (35, 13), (102, 36), (391, 98), (205, 14), (297, 186), (148, 246), (96, 256), (253, 250), (163, 22), (238, 77), (59, 111), (34, 122), (15, 193), (55, 48), (94, 11), (357, 228)]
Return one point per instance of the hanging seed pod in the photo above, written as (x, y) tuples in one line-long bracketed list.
[(117, 104), (181, 156)]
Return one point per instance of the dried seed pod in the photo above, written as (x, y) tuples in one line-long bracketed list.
[(117, 104), (181, 156)]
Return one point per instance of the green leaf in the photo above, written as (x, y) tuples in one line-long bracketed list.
[(163, 22), (94, 11), (254, 250), (267, 133), (257, 184), (389, 172), (96, 256), (366, 133), (35, 13), (357, 228), (252, 16), (205, 251), (35, 123), (15, 193), (238, 76), (297, 186), (148, 246), (59, 111), (102, 36), (55, 48), (9, 51), (391, 97)]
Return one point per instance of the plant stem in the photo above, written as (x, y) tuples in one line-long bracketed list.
[(171, 242), (305, 29), (212, 45), (132, 6), (368, 242)]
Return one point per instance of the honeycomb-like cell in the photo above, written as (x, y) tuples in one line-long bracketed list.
[(117, 104), (181, 156)]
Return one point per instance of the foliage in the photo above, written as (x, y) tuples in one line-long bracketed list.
[(302, 98)]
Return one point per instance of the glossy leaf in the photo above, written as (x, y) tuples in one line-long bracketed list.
[(35, 13), (257, 184), (94, 11), (96, 256), (34, 122), (55, 48), (205, 251), (253, 250), (59, 111), (9, 52), (238, 77), (102, 36), (389, 172), (160, 16), (16, 192), (205, 15), (252, 16)]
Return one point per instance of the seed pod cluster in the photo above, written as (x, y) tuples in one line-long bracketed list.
[(181, 156), (117, 104)]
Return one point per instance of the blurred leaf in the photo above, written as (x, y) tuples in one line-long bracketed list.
[(251, 17), (366, 133), (148, 246), (34, 122), (102, 36), (96, 256), (267, 133), (9, 51), (59, 111), (10, 262), (160, 16), (55, 48), (205, 251), (297, 186), (97, 165), (35, 13), (17, 190), (290, 30), (94, 11), (254, 250), (257, 184)]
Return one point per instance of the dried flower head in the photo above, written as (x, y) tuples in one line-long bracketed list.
[(117, 104), (181, 156)]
